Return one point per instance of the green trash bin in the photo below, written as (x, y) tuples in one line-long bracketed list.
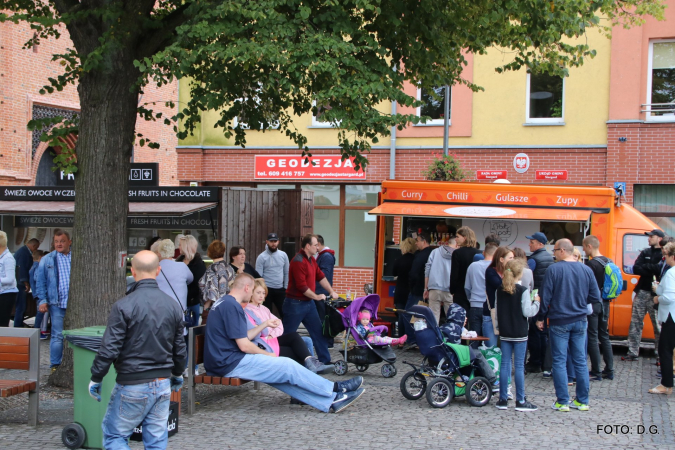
[(88, 413)]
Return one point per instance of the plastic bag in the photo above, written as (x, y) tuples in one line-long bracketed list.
[(92, 343), (493, 355)]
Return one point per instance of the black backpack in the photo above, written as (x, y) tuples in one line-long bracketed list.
[(332, 322)]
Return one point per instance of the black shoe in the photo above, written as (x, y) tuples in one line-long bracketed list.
[(532, 369), (295, 401), (608, 376), (525, 406), (342, 401), (629, 357), (350, 385), (594, 377), (502, 404)]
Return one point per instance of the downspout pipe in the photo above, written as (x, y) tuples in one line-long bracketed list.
[(446, 120), (392, 146)]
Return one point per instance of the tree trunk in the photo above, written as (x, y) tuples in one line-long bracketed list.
[(108, 102)]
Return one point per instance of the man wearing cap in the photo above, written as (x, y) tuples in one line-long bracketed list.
[(272, 264), (647, 266), (539, 260)]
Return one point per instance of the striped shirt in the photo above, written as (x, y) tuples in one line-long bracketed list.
[(63, 263)]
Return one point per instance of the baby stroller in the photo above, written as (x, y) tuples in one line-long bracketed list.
[(447, 370), (364, 354)]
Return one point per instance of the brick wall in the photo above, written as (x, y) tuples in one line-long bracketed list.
[(22, 75), (645, 156), (354, 279), (585, 165)]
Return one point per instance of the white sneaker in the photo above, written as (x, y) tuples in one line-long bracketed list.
[(510, 394), (186, 373)]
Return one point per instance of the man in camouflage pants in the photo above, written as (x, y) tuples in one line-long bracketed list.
[(647, 266)]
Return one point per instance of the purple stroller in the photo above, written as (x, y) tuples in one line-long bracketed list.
[(364, 353)]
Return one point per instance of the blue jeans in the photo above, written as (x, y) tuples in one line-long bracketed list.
[(518, 350), (39, 316), (409, 330), (288, 376), (572, 336), (489, 332), (309, 343), (132, 405), (56, 344), (304, 311), (20, 305)]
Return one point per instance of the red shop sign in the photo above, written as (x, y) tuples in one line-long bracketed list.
[(551, 175), (491, 174), (319, 167)]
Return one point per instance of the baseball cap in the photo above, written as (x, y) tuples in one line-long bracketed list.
[(272, 237), (538, 236), (655, 232)]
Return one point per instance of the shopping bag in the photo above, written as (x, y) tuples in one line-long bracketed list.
[(493, 355)]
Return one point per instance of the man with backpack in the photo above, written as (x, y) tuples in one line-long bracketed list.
[(610, 283)]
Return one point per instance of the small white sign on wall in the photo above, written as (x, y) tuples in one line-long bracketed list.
[(511, 232), (521, 162)]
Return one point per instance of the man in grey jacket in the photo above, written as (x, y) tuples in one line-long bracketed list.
[(437, 278), (474, 286), (272, 264), (144, 339)]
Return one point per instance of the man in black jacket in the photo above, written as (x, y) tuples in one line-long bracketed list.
[(144, 339), (647, 266), (416, 279), (537, 341)]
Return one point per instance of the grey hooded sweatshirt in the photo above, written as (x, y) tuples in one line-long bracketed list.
[(273, 267), (438, 268)]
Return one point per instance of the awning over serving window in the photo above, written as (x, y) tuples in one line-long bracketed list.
[(135, 208), (481, 212)]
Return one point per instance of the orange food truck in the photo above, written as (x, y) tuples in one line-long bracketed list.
[(513, 211)]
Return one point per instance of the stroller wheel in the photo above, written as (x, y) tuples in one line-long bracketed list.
[(362, 367), (478, 391), (341, 367), (388, 371), (440, 392), (413, 385)]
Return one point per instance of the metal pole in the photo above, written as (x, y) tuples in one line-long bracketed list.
[(392, 146), (446, 120)]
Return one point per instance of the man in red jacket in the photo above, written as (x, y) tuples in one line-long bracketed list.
[(303, 274)]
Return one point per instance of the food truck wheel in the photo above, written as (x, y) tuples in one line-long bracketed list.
[(73, 435)]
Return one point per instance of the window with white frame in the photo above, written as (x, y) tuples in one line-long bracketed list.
[(661, 81), (545, 99), (319, 120), (434, 105)]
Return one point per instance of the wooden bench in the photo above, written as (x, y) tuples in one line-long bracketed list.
[(19, 349), (196, 347)]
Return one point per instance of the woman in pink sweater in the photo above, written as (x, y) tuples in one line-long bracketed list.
[(290, 345)]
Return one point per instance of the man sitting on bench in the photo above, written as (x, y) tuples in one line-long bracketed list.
[(229, 353)]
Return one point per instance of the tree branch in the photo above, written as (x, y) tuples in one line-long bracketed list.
[(67, 6), (156, 40)]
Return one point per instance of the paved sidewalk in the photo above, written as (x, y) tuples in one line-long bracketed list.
[(241, 418)]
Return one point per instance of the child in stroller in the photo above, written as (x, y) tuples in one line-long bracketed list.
[(368, 331), (453, 369), (357, 349)]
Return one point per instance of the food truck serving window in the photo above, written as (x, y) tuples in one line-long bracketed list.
[(633, 244)]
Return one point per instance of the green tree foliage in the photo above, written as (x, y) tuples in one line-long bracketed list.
[(269, 60)]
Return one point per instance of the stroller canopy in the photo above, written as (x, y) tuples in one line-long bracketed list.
[(350, 314)]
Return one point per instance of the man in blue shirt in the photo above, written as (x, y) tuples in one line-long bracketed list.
[(568, 289), (229, 352), (24, 261)]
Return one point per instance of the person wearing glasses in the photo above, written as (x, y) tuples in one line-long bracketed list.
[(568, 289), (303, 276)]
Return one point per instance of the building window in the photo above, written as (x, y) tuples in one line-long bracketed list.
[(661, 81), (341, 217), (434, 105), (545, 99), (657, 201), (319, 119)]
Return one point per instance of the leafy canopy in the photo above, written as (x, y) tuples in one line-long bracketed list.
[(267, 61)]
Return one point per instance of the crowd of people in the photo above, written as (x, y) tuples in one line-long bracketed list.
[(552, 306)]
